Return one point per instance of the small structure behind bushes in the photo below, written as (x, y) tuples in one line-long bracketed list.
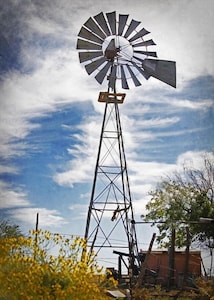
[(159, 270)]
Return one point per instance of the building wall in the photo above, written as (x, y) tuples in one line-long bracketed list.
[(159, 262)]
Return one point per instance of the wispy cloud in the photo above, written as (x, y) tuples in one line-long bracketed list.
[(157, 122), (12, 197), (4, 169), (81, 168), (41, 75), (48, 218), (202, 105)]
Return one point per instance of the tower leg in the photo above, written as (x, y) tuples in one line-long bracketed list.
[(110, 220)]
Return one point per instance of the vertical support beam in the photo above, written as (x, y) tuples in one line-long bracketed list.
[(171, 280), (119, 268), (110, 220), (144, 263), (186, 266), (95, 180), (36, 234)]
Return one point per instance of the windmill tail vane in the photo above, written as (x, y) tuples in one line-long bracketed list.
[(115, 49)]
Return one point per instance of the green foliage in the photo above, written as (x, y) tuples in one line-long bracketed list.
[(180, 202), (9, 230)]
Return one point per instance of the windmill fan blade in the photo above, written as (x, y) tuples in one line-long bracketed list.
[(112, 21), (123, 79), (94, 28), (143, 72), (138, 58), (102, 73), (88, 35), (122, 23), (163, 70), (131, 28), (133, 76), (85, 45), (110, 41), (102, 23), (138, 35), (84, 56), (112, 77), (147, 53), (90, 68), (145, 43)]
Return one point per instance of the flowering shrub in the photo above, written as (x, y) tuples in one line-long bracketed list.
[(49, 266)]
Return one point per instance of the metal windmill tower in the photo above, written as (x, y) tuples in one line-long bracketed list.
[(115, 50)]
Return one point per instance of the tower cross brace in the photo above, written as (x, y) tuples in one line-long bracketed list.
[(110, 220)]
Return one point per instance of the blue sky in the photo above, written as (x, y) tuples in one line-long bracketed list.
[(50, 119)]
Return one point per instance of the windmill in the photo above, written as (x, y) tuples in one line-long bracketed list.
[(115, 50)]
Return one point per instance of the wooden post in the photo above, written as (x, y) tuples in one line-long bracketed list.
[(36, 234), (186, 267), (144, 263), (171, 280)]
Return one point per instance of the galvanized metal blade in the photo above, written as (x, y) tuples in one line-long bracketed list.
[(90, 68), (122, 23), (147, 53), (145, 43), (90, 23), (131, 28), (84, 56), (88, 35), (112, 21), (142, 71), (139, 34), (102, 23), (138, 58), (163, 70), (102, 73), (123, 79), (133, 76), (85, 45), (113, 77)]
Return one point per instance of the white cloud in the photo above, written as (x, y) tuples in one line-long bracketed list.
[(157, 122), (194, 159), (80, 171), (57, 76), (191, 105), (26, 97), (52, 78), (81, 168), (82, 210), (12, 197), (144, 176), (8, 169), (48, 218)]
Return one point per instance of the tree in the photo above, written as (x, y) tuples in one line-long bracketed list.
[(49, 266), (8, 230), (181, 200)]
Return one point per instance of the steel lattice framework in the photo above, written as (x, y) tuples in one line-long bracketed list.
[(113, 48), (110, 221)]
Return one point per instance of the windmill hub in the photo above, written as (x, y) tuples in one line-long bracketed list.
[(117, 48)]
